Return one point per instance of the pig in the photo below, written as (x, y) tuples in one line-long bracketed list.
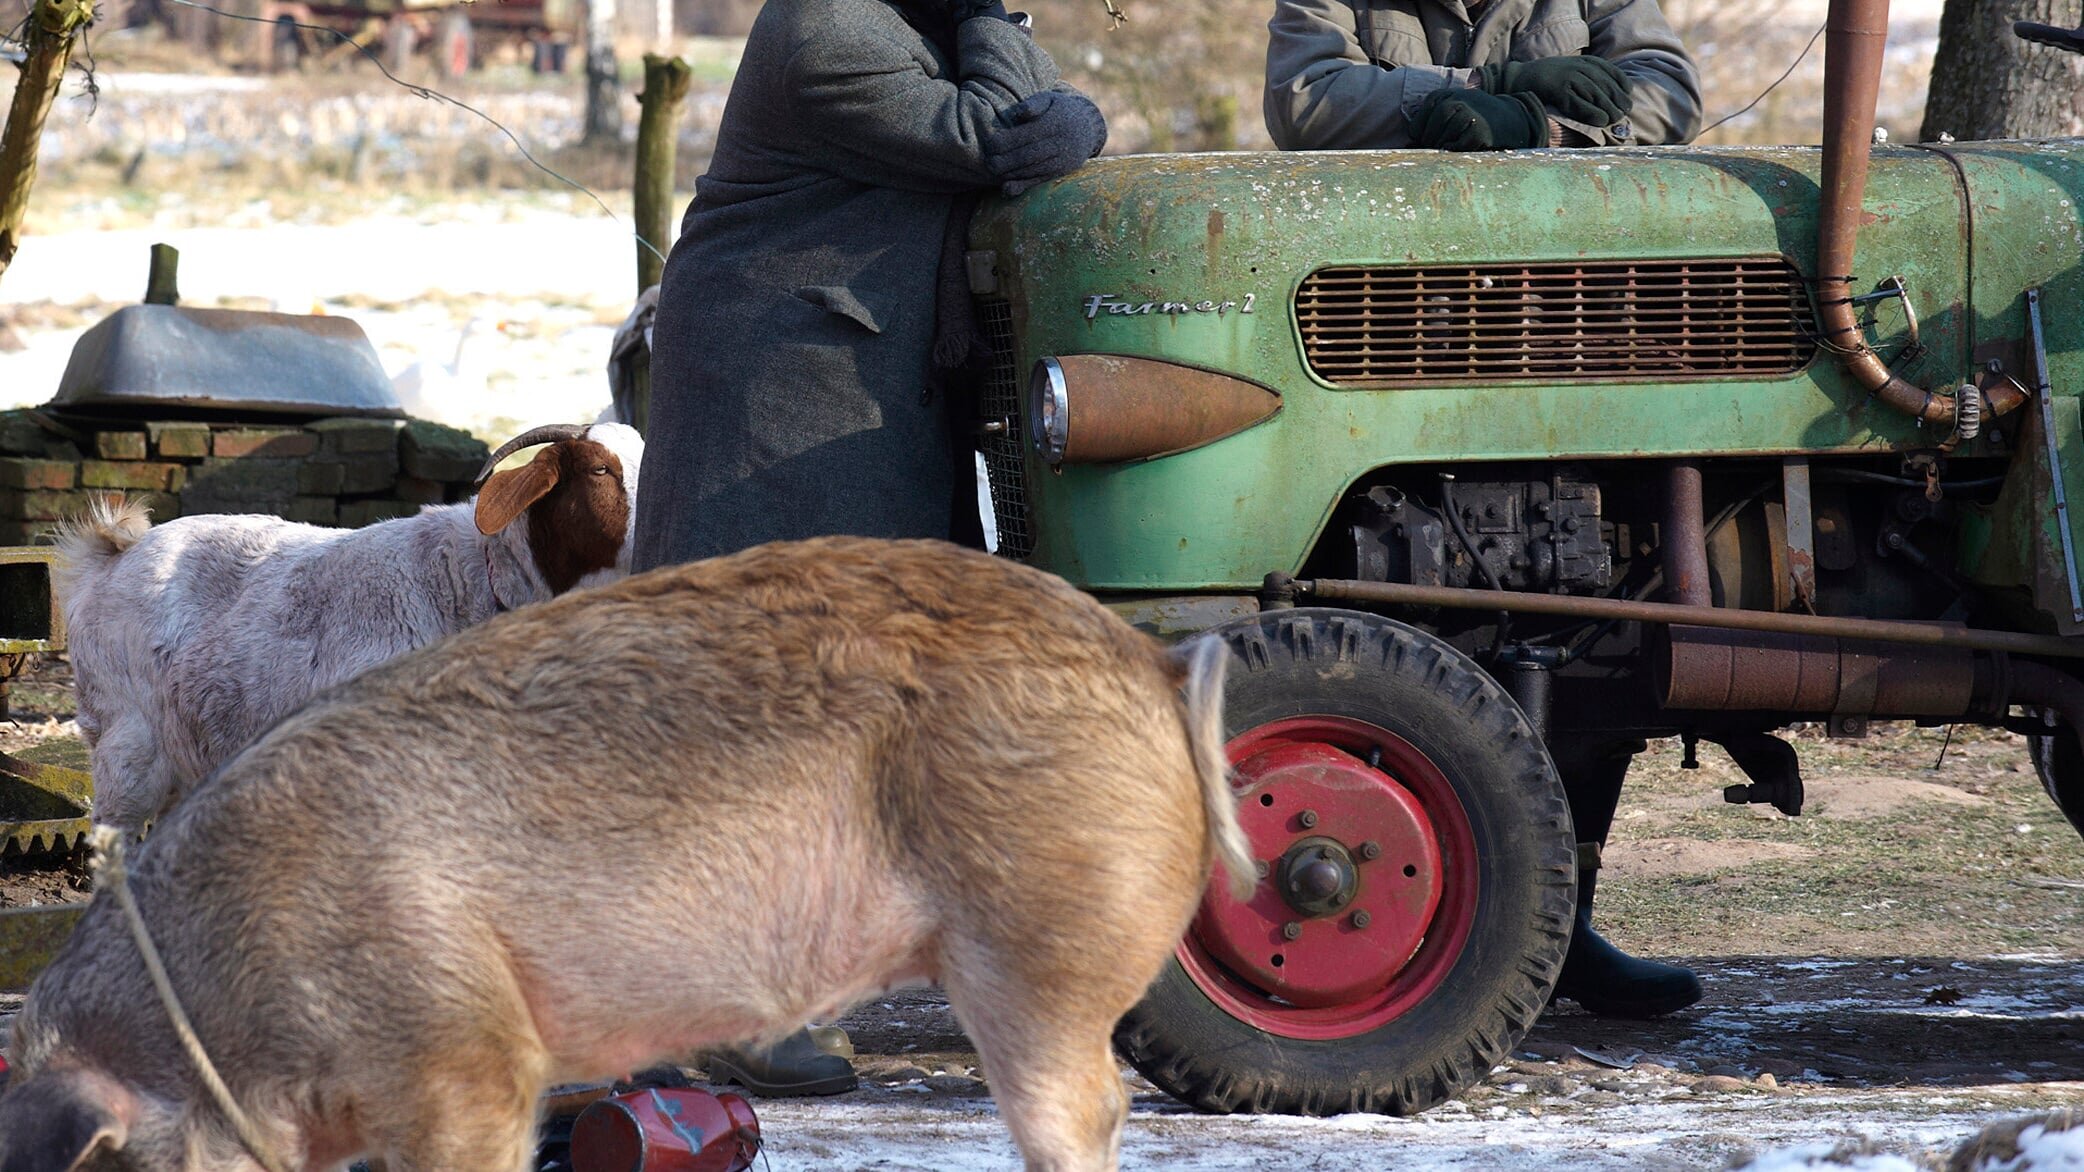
[(699, 806)]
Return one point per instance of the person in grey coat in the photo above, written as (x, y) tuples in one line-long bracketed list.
[(815, 306), (1481, 75), (794, 387)]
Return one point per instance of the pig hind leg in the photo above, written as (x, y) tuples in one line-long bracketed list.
[(459, 1085), (1046, 1050), (473, 1108)]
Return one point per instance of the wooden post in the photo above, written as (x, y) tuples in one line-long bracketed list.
[(53, 27), (161, 287), (658, 122)]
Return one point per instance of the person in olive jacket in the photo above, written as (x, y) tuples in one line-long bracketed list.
[(1485, 75), (815, 303)]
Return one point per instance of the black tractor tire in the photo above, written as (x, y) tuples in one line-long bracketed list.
[(2059, 763), (1358, 666)]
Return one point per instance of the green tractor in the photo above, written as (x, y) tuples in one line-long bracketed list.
[(1483, 464)]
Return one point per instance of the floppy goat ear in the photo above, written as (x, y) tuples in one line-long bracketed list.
[(53, 1124), (508, 494)]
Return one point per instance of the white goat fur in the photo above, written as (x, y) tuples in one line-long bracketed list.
[(191, 638)]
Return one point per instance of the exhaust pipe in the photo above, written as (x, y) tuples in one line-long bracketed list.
[(1855, 34)]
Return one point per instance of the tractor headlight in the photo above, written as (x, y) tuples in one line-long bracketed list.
[(1049, 410), (1135, 408)]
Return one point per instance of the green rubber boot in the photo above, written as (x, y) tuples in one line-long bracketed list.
[(1611, 983)]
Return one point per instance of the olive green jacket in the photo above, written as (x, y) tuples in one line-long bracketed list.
[(1349, 74)]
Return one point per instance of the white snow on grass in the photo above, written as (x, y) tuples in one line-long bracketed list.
[(1679, 1132)]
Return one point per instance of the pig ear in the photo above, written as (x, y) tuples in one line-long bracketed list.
[(53, 1124), (509, 493)]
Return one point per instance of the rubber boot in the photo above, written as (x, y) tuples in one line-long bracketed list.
[(1609, 982), (1598, 976), (793, 1067)]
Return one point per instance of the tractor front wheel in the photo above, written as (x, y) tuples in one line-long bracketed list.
[(1417, 881)]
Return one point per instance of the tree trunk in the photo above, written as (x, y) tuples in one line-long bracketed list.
[(51, 31), (603, 88), (1987, 83)]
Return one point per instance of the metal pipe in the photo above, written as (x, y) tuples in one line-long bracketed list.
[(1685, 539), (1879, 630), (1855, 34), (1721, 670)]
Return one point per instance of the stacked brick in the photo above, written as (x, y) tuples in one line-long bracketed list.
[(347, 472)]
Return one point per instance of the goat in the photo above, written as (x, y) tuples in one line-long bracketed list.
[(190, 638)]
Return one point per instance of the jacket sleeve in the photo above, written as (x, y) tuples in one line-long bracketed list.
[(877, 117), (1322, 91), (1634, 35)]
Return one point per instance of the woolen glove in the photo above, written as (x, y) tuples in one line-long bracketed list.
[(1472, 120), (1049, 134), (1583, 89)]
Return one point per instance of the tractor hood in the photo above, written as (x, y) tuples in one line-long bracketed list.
[(1415, 306)]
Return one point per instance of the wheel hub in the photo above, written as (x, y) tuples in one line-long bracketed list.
[(1317, 876), (1355, 877)]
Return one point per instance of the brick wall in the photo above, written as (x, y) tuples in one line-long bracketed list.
[(347, 472)]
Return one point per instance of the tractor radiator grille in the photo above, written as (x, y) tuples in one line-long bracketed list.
[(1378, 326), (999, 400)]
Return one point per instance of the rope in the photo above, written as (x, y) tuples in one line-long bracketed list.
[(111, 877)]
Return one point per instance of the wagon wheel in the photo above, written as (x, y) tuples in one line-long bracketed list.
[(455, 45), (1417, 889)]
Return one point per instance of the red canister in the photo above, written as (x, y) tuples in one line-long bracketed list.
[(666, 1130)]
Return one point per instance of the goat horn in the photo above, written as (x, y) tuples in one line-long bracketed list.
[(549, 433)]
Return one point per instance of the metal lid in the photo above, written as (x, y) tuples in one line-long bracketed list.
[(161, 356)]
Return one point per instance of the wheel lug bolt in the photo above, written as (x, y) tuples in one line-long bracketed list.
[(1371, 850), (1290, 930), (1308, 818), (1361, 919), (1264, 870)]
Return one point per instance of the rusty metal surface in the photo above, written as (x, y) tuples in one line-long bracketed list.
[(1856, 32), (1137, 408), (1597, 321), (30, 937), (1724, 670), (160, 356), (44, 807), (1876, 630), (1685, 541), (1171, 618), (2060, 495), (1801, 531)]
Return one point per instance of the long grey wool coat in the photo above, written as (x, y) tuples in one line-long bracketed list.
[(790, 370)]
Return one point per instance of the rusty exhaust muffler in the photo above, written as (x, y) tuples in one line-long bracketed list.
[(1855, 35)]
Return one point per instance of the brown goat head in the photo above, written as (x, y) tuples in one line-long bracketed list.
[(577, 494)]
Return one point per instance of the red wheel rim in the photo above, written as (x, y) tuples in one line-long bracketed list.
[(1333, 979)]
